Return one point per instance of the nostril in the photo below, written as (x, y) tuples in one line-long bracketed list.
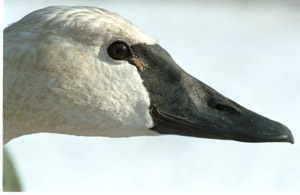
[(222, 106), (225, 108)]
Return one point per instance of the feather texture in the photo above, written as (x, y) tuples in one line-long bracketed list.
[(58, 77)]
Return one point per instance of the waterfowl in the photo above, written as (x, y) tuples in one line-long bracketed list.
[(87, 71)]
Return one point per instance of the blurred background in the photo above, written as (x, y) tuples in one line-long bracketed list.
[(247, 50)]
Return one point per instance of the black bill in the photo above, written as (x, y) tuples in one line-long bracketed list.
[(182, 105)]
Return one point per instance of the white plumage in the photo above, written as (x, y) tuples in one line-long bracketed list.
[(58, 77)]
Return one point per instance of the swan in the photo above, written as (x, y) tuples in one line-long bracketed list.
[(89, 72)]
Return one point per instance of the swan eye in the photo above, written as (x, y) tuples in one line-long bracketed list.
[(118, 50)]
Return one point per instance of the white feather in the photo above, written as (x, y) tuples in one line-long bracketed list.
[(58, 77)]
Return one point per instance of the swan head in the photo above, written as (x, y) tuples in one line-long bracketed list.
[(87, 71)]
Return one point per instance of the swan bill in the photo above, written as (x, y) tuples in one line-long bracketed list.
[(183, 105)]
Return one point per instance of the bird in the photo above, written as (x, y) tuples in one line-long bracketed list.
[(87, 71)]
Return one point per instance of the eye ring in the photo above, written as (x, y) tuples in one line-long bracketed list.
[(118, 50)]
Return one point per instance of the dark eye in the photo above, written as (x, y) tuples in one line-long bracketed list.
[(118, 50)]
